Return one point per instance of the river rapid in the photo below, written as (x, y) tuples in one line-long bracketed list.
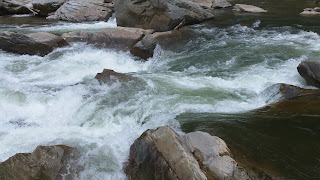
[(213, 80)]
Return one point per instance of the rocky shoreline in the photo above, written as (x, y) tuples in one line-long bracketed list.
[(160, 153)]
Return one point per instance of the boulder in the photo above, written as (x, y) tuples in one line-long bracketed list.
[(311, 11), (41, 43), (8, 7), (79, 11), (163, 154), (45, 7), (310, 71), (212, 3), (160, 15), (45, 162), (145, 48), (109, 76), (77, 36), (122, 38), (248, 8)]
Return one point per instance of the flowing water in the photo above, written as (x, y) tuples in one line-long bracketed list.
[(213, 80)]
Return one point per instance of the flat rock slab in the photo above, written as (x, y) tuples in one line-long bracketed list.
[(41, 43), (121, 38), (160, 15), (248, 8), (310, 71), (45, 162), (79, 11)]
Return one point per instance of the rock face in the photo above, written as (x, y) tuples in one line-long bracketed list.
[(41, 43), (45, 162), (109, 76), (145, 48), (248, 8), (45, 7), (310, 71), (212, 3), (163, 154), (311, 11), (76, 36), (78, 11), (15, 7), (119, 38), (160, 15)]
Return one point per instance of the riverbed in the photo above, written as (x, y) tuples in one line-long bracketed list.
[(213, 80)]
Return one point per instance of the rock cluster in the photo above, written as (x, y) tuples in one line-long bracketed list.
[(163, 154), (45, 162)]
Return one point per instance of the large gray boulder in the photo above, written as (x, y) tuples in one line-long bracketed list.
[(8, 7), (79, 11), (45, 162), (145, 48), (45, 7), (77, 36), (122, 38), (163, 154), (310, 71), (160, 15), (41, 43)]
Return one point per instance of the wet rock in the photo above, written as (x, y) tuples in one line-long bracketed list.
[(248, 8), (282, 92), (310, 71), (45, 162), (109, 76), (163, 154), (145, 48), (160, 15), (122, 38), (45, 7), (77, 36), (291, 100), (311, 11), (8, 7), (212, 3), (41, 43), (79, 11)]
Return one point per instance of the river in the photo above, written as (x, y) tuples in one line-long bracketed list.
[(213, 80)]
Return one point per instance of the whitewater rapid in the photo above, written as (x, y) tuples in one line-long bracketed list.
[(56, 100)]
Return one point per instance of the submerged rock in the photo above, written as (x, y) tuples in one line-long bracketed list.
[(145, 48), (311, 11), (122, 38), (77, 36), (163, 154), (45, 162), (41, 43), (160, 15), (109, 76), (79, 11), (310, 71), (45, 7), (8, 7), (212, 3), (292, 100), (248, 8)]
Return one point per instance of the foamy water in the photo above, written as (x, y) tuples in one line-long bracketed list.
[(56, 100)]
